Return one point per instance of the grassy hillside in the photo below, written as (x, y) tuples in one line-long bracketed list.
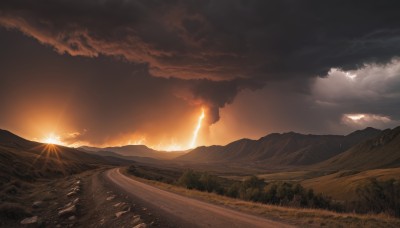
[(342, 185), (26, 160), (382, 151)]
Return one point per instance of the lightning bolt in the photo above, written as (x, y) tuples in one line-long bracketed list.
[(197, 129)]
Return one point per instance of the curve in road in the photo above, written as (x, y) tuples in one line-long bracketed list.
[(188, 211)]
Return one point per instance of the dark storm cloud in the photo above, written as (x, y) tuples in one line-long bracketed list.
[(217, 39), (204, 52), (107, 97), (212, 94)]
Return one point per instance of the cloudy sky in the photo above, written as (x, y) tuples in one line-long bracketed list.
[(117, 72)]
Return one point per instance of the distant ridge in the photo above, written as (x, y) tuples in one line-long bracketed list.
[(287, 149), (136, 151), (382, 151)]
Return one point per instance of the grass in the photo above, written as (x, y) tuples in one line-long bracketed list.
[(342, 185), (297, 216)]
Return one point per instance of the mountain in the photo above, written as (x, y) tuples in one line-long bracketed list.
[(287, 149), (137, 151), (27, 160), (9, 139), (382, 151)]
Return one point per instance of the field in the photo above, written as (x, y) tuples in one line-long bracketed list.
[(342, 185)]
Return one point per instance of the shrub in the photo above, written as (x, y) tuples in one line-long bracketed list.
[(191, 180), (379, 196), (252, 188), (233, 190), (253, 182), (209, 183)]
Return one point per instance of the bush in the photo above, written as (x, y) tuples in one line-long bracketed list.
[(233, 190), (379, 196), (252, 189), (253, 182), (200, 181), (191, 180), (286, 194), (210, 183)]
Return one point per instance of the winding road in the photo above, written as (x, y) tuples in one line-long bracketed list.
[(186, 212)]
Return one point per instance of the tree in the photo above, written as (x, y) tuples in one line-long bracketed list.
[(209, 182), (191, 180), (233, 190)]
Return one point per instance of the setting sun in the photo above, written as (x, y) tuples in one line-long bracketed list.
[(53, 139)]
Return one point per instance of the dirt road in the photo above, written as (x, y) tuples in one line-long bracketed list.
[(184, 211)]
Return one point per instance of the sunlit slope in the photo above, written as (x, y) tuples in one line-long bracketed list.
[(342, 185), (27, 160), (382, 151)]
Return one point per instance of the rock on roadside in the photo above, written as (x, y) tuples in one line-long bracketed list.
[(141, 225), (110, 198), (37, 204), (30, 220), (119, 214), (67, 211)]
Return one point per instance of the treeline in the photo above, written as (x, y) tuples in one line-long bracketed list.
[(257, 190)]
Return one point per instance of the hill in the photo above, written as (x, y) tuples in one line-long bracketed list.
[(136, 151), (287, 149), (382, 151), (27, 160), (342, 185)]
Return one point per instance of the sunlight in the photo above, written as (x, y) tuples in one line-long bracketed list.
[(197, 129), (355, 117), (52, 139), (170, 147)]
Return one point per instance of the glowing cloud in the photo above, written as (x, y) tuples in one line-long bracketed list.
[(355, 117), (197, 129), (358, 120)]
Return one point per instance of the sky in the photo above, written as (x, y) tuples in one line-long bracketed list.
[(118, 72)]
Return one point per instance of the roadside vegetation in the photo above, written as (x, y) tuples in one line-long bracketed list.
[(374, 196), (304, 217), (379, 197)]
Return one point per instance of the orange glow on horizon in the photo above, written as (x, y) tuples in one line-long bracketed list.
[(52, 139), (197, 129), (163, 143)]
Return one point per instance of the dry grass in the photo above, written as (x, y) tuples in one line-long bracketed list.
[(343, 187), (297, 216)]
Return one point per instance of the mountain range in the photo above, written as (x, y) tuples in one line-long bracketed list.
[(133, 151), (287, 149), (363, 149), (382, 151)]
